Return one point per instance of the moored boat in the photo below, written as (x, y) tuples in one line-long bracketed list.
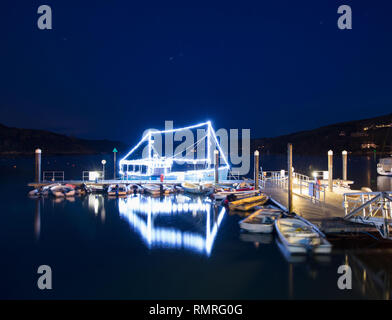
[(82, 189), (234, 194), (62, 191), (195, 188), (42, 190), (117, 190), (384, 167), (95, 188), (248, 203), (244, 186), (152, 189), (258, 223), (299, 236), (270, 211)]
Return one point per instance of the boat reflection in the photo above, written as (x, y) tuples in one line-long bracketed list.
[(178, 222), (290, 258), (256, 238), (37, 219), (373, 275), (384, 183)]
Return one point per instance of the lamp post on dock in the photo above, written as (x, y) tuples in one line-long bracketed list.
[(330, 170), (114, 163), (38, 153), (103, 169), (256, 170), (290, 176), (344, 157)]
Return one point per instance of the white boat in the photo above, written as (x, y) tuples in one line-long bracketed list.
[(221, 195), (42, 191), (196, 188), (168, 189), (258, 223), (300, 236), (244, 186), (134, 188), (62, 191), (269, 211), (384, 167), (248, 203), (117, 190), (152, 189), (95, 188), (82, 189)]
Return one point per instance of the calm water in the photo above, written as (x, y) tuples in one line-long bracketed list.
[(170, 248)]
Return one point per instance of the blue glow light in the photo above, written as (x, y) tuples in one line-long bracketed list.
[(141, 213), (166, 163)]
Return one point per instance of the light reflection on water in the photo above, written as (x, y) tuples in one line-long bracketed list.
[(384, 183), (192, 224), (149, 217), (98, 234)]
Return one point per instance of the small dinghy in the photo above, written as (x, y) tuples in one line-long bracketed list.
[(271, 212), (82, 189), (133, 188), (139, 189), (244, 186), (258, 223), (178, 188), (234, 194), (152, 189), (117, 190), (249, 203), (42, 190), (62, 191), (196, 188), (300, 236), (96, 188), (169, 189)]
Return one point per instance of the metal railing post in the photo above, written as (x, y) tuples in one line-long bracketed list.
[(290, 176), (364, 209), (345, 204)]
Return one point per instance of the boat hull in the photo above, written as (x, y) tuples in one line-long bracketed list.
[(237, 194), (382, 172), (257, 228), (249, 203), (297, 245)]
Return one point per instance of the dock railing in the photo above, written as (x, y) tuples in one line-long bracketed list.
[(92, 175), (373, 208), (302, 184), (276, 177), (233, 175), (53, 176)]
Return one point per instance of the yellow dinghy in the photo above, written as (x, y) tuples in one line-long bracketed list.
[(247, 204)]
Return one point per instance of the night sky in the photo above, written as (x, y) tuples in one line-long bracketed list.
[(110, 69)]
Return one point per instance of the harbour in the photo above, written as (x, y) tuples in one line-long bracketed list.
[(319, 199), (117, 227), (222, 153)]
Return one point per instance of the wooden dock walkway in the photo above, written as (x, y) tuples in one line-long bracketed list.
[(305, 206), (326, 214)]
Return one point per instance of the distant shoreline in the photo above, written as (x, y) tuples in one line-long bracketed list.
[(9, 154)]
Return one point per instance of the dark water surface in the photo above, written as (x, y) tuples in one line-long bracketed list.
[(171, 248)]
